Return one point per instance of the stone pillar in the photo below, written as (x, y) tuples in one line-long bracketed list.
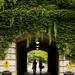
[(21, 59), (53, 59)]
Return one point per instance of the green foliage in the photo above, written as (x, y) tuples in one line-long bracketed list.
[(7, 4), (37, 54), (36, 2), (19, 16), (3, 52), (66, 4), (21, 20), (4, 44), (2, 4)]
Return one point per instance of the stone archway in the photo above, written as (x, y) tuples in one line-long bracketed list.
[(22, 55)]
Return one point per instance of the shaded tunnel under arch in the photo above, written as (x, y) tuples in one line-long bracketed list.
[(22, 56)]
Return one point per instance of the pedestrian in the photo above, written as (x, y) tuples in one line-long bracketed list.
[(34, 66), (41, 65)]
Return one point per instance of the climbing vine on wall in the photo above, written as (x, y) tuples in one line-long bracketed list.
[(39, 16)]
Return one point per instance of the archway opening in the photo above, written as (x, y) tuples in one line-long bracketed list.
[(37, 54), (23, 48)]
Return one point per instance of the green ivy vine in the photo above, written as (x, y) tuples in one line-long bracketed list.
[(49, 18)]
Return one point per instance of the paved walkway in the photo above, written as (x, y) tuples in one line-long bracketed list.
[(37, 73), (30, 70)]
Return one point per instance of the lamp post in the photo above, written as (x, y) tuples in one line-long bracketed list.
[(37, 45)]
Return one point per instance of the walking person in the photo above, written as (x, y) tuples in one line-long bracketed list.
[(34, 66), (41, 65)]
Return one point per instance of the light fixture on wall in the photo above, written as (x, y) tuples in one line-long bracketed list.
[(37, 42), (37, 45)]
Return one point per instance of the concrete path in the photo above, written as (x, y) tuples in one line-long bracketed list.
[(37, 73), (30, 70)]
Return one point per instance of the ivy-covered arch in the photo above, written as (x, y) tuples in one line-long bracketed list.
[(58, 23), (27, 42)]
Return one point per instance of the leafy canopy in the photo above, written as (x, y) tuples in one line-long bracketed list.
[(19, 16)]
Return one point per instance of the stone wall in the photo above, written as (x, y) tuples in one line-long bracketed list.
[(11, 57)]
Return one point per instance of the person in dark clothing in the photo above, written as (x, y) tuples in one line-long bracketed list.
[(40, 65), (34, 66)]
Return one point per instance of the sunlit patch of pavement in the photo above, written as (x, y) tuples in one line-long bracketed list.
[(44, 70)]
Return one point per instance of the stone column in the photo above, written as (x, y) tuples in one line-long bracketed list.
[(21, 59), (53, 59)]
